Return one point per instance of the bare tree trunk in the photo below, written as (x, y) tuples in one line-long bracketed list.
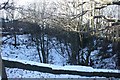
[(15, 44), (38, 49), (75, 49), (116, 50), (118, 55), (43, 48), (43, 44), (47, 52)]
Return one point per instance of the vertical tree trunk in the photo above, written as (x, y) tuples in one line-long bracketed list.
[(43, 45), (118, 54), (87, 58), (15, 44), (75, 49), (47, 52), (116, 50), (38, 49)]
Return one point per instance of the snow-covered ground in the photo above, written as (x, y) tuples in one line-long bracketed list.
[(28, 54), (20, 73), (28, 51)]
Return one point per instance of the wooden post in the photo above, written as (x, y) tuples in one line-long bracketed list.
[(2, 68)]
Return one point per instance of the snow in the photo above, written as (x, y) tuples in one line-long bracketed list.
[(27, 50), (26, 62), (70, 68), (104, 1), (94, 52), (73, 68), (83, 69), (20, 73), (56, 58), (110, 45), (27, 54), (110, 50), (111, 11)]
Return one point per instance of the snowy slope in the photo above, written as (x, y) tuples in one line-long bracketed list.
[(27, 54), (27, 50)]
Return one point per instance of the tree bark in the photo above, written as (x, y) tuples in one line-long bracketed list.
[(118, 55)]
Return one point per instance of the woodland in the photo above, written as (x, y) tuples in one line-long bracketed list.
[(83, 32)]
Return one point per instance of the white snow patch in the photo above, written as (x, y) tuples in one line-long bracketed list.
[(94, 52)]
